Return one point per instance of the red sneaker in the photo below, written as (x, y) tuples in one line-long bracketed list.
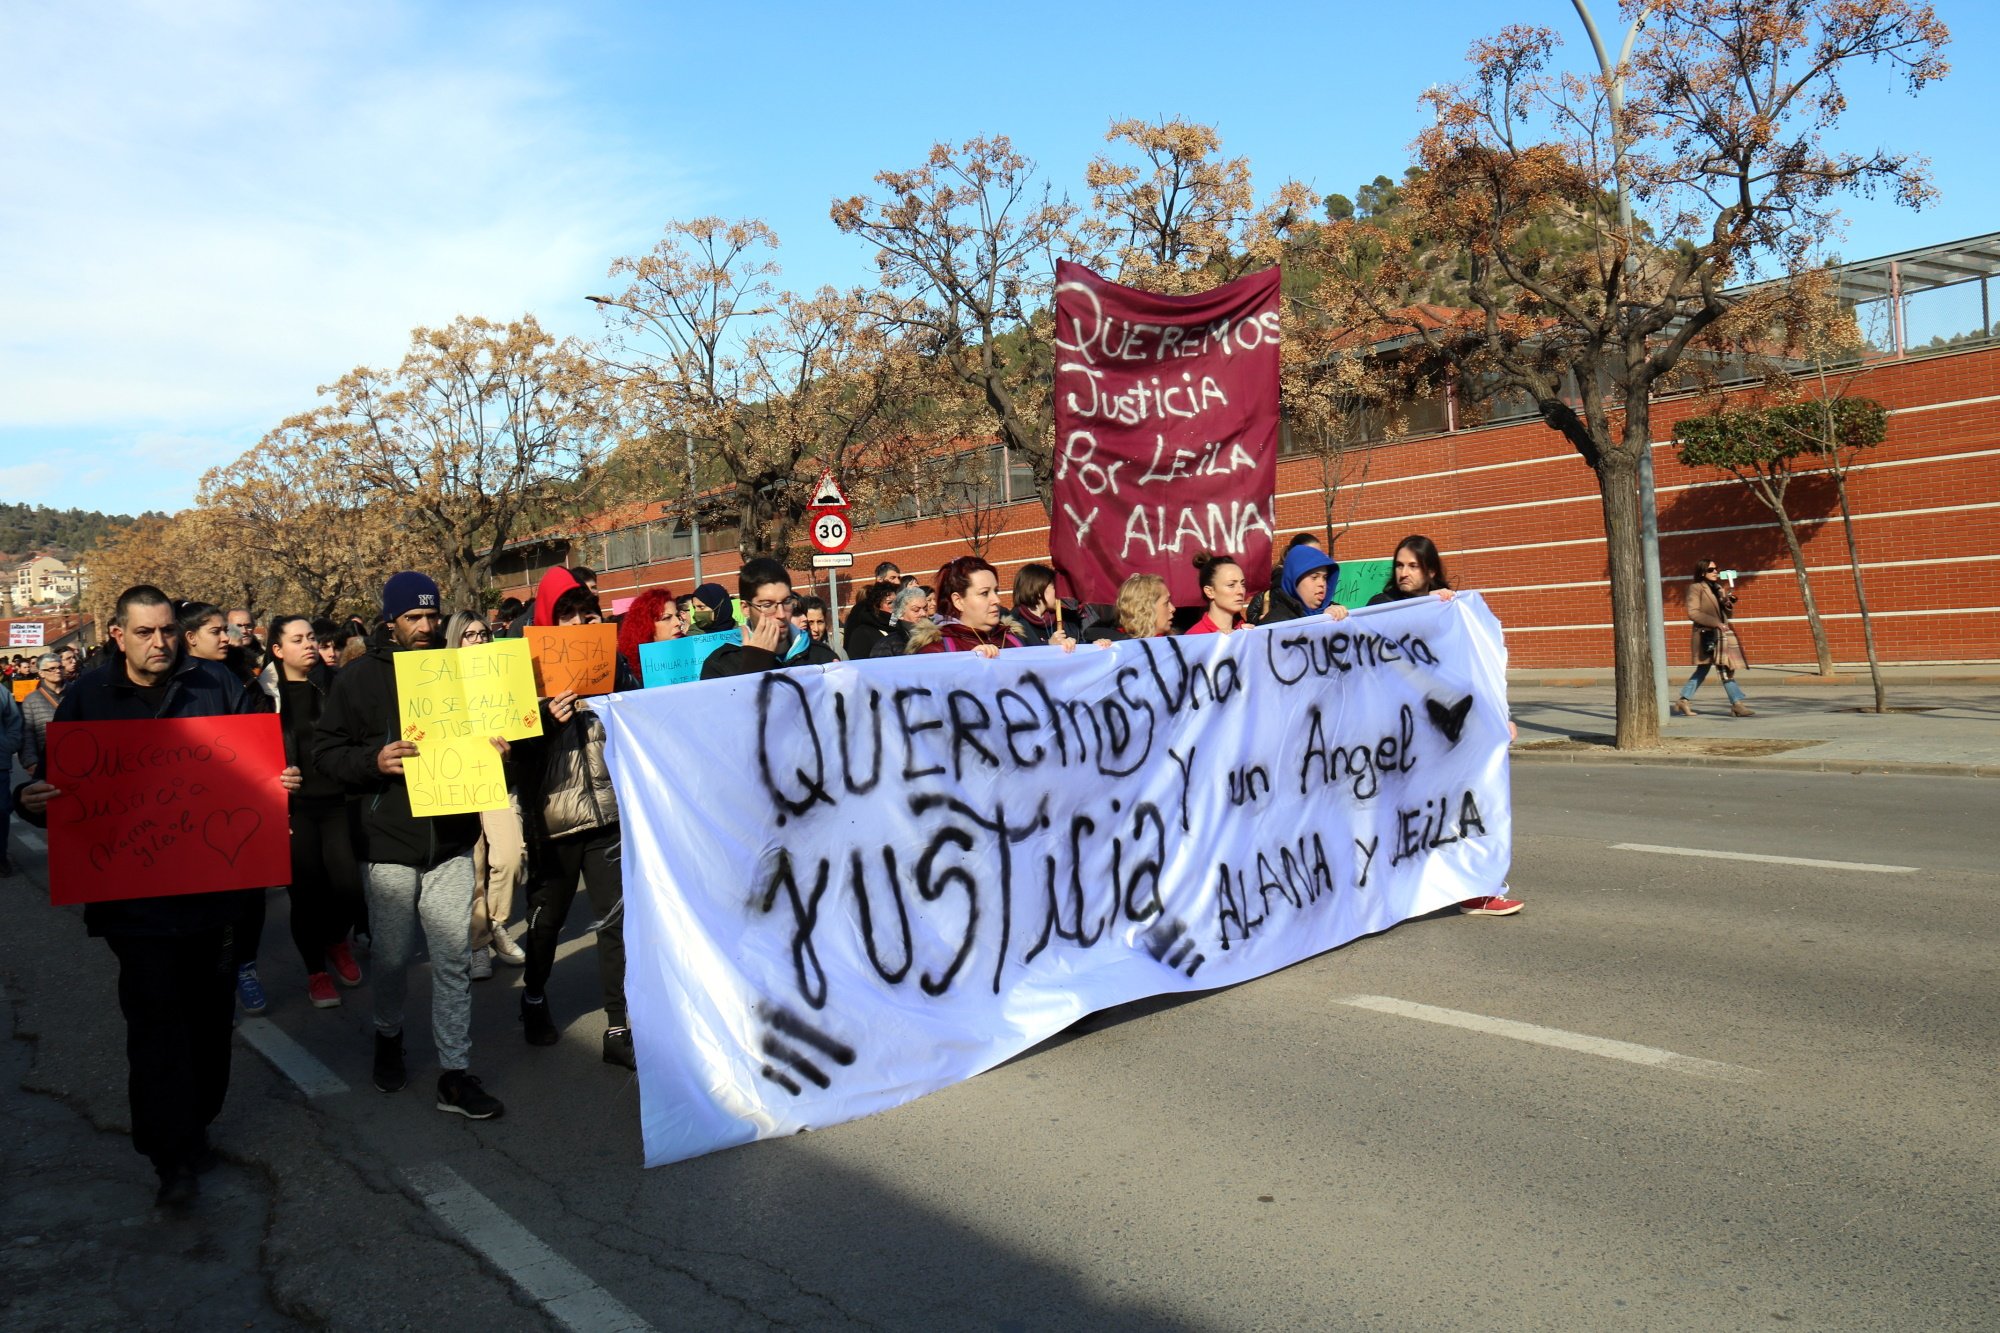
[(319, 988), (344, 967), (1494, 906)]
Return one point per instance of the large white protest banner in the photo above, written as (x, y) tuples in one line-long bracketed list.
[(853, 885)]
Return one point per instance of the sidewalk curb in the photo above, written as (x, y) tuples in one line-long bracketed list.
[(1777, 762)]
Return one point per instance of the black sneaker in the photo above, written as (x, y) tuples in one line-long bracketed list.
[(460, 1092), (178, 1188), (390, 1076), (618, 1048), (536, 1025)]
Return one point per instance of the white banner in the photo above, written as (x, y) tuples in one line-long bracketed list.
[(24, 634), (848, 886)]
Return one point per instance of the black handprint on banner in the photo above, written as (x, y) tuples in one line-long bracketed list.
[(786, 1028)]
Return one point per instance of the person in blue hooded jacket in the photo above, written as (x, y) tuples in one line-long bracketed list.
[(1305, 587)]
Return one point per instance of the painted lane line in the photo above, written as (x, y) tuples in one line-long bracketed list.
[(563, 1289), (33, 837), (289, 1058), (1766, 860), (1630, 1052)]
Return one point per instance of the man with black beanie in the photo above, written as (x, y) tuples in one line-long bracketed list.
[(416, 871)]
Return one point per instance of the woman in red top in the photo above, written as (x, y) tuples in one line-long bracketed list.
[(1228, 594), (968, 593)]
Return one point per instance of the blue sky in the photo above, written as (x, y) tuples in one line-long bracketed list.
[(211, 207)]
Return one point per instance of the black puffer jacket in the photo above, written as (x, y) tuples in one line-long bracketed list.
[(864, 629), (360, 717)]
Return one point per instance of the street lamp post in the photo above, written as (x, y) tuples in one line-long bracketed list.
[(694, 508), (1649, 518)]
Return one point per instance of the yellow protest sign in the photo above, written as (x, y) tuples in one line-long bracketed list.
[(455, 776), (458, 693)]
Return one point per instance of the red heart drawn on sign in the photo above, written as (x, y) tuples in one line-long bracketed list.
[(227, 830)]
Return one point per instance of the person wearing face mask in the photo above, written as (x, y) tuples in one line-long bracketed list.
[(417, 872)]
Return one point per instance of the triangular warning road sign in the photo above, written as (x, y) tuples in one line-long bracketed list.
[(827, 494)]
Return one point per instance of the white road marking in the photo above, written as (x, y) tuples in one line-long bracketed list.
[(292, 1060), (1767, 860), (1630, 1052), (569, 1296), (33, 837)]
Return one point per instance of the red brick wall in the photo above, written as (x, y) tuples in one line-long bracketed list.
[(1515, 511)]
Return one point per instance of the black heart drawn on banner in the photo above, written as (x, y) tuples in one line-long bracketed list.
[(225, 831), (1451, 721)]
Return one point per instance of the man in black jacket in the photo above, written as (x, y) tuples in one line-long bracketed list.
[(176, 981), (416, 871), (768, 640)]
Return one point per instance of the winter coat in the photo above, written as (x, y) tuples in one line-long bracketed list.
[(36, 711), (737, 659), (894, 643), (301, 726), (576, 790), (359, 718), (957, 637), (1032, 630), (1709, 608), (864, 629), (196, 688), (1284, 602)]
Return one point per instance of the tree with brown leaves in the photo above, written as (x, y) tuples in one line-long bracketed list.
[(1721, 140)]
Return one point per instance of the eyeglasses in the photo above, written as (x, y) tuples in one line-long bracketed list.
[(767, 608), (476, 636)]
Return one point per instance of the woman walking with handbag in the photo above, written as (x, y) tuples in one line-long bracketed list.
[(1709, 608)]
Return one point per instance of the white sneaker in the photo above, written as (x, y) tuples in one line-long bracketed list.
[(482, 964), (507, 951)]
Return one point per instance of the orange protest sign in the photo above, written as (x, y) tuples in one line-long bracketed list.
[(573, 657), (24, 687)]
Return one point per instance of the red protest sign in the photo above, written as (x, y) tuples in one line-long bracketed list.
[(1166, 431), (573, 657), (169, 806)]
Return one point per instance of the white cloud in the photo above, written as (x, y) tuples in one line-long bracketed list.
[(213, 208)]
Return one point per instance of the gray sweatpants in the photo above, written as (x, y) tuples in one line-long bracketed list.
[(399, 899)]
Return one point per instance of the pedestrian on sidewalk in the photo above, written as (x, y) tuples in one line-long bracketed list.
[(13, 734), (176, 981), (416, 871), (1710, 607)]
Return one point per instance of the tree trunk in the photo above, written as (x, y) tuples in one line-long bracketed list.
[(1638, 711), (1861, 596), (1813, 622)]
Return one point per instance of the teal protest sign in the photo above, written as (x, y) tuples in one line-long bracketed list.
[(678, 661)]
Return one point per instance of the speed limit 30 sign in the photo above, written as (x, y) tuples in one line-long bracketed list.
[(830, 531)]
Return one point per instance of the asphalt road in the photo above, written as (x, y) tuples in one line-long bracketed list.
[(1355, 1142)]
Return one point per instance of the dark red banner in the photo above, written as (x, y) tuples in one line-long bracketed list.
[(180, 805), (1166, 432)]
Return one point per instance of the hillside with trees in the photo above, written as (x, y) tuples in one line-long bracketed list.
[(26, 529)]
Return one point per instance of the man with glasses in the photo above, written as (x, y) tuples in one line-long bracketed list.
[(767, 640), (40, 706)]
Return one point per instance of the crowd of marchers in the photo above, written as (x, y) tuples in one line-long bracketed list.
[(370, 880)]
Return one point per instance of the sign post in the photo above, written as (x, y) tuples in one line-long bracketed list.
[(830, 530)]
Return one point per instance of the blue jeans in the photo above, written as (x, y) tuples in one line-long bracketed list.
[(1729, 684)]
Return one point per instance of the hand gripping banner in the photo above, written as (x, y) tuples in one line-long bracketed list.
[(912, 869), (1166, 413)]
